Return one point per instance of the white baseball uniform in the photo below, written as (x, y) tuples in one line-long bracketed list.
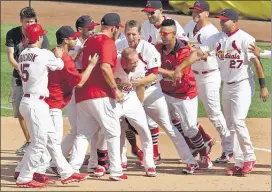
[(151, 33), (154, 102), (71, 110), (233, 58), (209, 82), (133, 111), (33, 67)]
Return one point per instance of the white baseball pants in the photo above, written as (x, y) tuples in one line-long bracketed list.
[(43, 136), (208, 87), (68, 141), (156, 108), (93, 114), (236, 102)]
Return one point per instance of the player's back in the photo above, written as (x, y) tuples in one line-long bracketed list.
[(96, 86), (33, 70), (33, 67)]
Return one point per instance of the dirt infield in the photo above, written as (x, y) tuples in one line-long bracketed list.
[(59, 13), (169, 173)]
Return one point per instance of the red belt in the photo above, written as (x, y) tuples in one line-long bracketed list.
[(40, 97), (204, 72)]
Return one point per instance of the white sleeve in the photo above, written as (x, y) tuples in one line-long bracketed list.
[(53, 63), (266, 54), (187, 27), (249, 40), (180, 32), (153, 57), (210, 44)]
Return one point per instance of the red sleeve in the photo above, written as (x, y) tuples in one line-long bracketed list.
[(182, 55), (154, 70), (108, 53), (70, 72)]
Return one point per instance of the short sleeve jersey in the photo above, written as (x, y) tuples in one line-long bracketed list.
[(62, 82), (232, 54), (96, 86)]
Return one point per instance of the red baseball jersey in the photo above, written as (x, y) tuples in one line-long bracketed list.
[(61, 83), (187, 86), (96, 86)]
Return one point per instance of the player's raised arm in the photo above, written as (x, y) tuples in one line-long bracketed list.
[(54, 60), (85, 74)]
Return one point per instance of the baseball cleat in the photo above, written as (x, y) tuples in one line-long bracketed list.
[(100, 171), (139, 163), (91, 170), (158, 160), (237, 171), (124, 166), (190, 169), (248, 167), (31, 184), (205, 162), (119, 178), (151, 172), (225, 157), (75, 177), (53, 170), (42, 178)]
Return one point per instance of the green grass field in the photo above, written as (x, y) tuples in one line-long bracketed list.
[(258, 108)]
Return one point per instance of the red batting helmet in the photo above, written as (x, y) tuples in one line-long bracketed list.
[(33, 32)]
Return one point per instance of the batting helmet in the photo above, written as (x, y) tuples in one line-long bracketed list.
[(33, 32)]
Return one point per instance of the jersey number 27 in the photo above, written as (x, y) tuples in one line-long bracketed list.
[(25, 74), (235, 64)]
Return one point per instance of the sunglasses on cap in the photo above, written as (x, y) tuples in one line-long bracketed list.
[(164, 33)]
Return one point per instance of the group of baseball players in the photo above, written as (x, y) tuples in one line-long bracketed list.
[(117, 86)]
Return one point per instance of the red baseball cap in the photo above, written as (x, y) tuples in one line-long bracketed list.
[(33, 32), (152, 5)]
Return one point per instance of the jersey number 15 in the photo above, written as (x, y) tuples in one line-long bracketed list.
[(25, 74)]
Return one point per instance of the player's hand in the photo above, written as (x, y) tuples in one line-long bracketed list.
[(177, 75), (255, 50), (204, 57), (264, 94), (136, 83), (58, 52), (119, 96), (93, 60)]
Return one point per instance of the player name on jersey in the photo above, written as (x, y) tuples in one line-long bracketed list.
[(27, 57)]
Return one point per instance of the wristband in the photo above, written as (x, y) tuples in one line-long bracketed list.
[(262, 82)]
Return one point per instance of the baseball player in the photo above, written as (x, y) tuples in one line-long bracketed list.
[(151, 27), (16, 43), (96, 99), (128, 69), (207, 74), (33, 67), (181, 95), (234, 59), (61, 83), (154, 102), (85, 25), (258, 52)]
